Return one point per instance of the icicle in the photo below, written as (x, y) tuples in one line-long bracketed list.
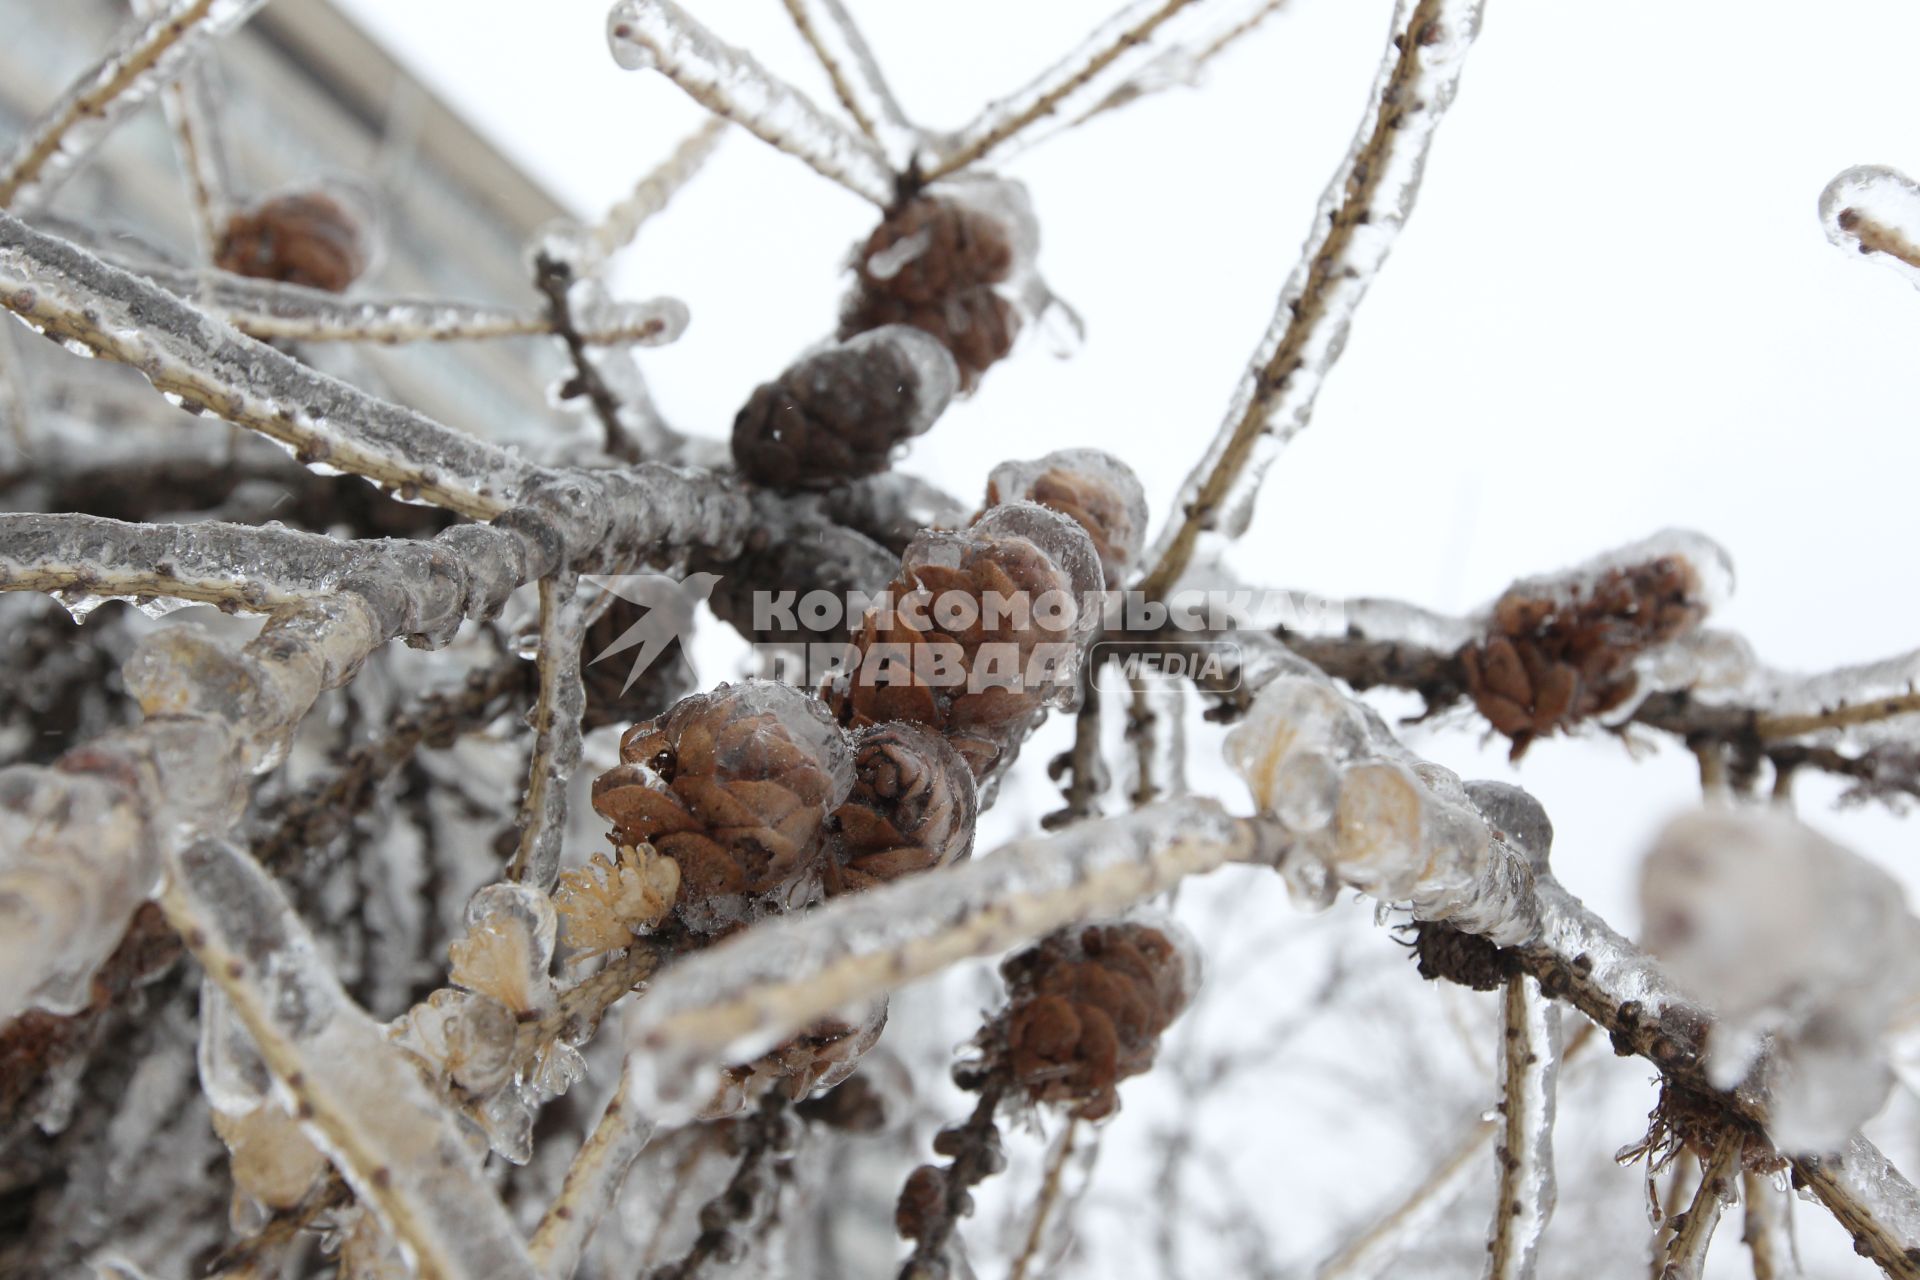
[(660, 35), (736, 1000), (1875, 211), (148, 58), (356, 1093), (1529, 1070), (1358, 219)]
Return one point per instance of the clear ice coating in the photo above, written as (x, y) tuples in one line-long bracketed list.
[(1374, 816), (508, 947), (736, 1000), (359, 1097), (936, 376), (1098, 490), (857, 79), (1358, 219), (585, 249), (1529, 1073), (1873, 210), (659, 35), (150, 55), (1804, 951)]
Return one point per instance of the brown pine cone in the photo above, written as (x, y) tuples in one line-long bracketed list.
[(783, 560), (1555, 657), (814, 1061), (838, 414), (912, 808), (932, 264), (1086, 1010), (305, 238), (734, 786), (1096, 490), (981, 628)]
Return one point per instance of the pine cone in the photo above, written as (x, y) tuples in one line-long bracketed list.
[(933, 264), (839, 414), (981, 628), (1554, 658), (305, 237), (1096, 490), (734, 786), (912, 808), (1087, 1008), (814, 1061), (784, 556)]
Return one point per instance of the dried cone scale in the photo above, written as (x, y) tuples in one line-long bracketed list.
[(812, 1062), (934, 264), (735, 786), (840, 413), (980, 631), (1086, 1009), (303, 237), (1552, 659), (912, 809)]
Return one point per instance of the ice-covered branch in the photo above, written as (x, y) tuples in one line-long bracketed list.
[(739, 998), (858, 82), (556, 730), (1686, 1253), (1529, 1073), (660, 35), (1125, 33), (586, 249), (353, 1090), (592, 1182), (73, 297), (149, 57), (1875, 211), (85, 558), (1183, 64), (1354, 227), (196, 143)]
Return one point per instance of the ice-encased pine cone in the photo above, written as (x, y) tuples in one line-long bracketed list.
[(912, 808), (1086, 1009), (840, 413), (614, 694), (1094, 489), (964, 673), (304, 237), (814, 1061), (775, 560), (1551, 660), (734, 786), (933, 264)]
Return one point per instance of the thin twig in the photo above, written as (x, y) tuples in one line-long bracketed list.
[(1686, 1254), (556, 730), (554, 279), (1361, 215), (1529, 1070), (976, 1156), (1005, 118), (842, 52), (730, 82), (592, 1182), (593, 246), (107, 91), (1049, 1194), (759, 1138)]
